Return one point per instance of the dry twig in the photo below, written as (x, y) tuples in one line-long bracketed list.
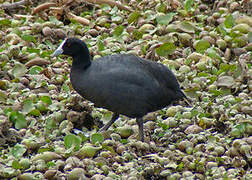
[(79, 19), (43, 7), (15, 5), (111, 3)]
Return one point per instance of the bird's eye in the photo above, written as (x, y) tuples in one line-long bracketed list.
[(67, 44)]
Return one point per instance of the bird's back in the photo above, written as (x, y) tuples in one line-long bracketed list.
[(127, 84)]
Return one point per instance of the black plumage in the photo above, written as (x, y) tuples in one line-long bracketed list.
[(124, 84)]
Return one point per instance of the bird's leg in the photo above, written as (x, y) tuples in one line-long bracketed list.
[(140, 128), (113, 119)]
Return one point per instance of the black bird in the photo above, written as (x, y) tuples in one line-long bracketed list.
[(122, 83)]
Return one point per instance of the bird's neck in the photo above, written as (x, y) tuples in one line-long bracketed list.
[(81, 62)]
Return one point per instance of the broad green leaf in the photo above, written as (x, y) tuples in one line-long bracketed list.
[(72, 141), (133, 17), (96, 137), (229, 21), (211, 52), (50, 124), (18, 150), (5, 22), (16, 165), (46, 99), (166, 49), (166, 19), (188, 5), (35, 112), (35, 70), (241, 127), (118, 30), (186, 27), (19, 70), (33, 50), (215, 92), (18, 119), (201, 45), (29, 38), (28, 106)]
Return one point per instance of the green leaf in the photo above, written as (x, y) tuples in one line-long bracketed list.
[(229, 21), (96, 137), (188, 5), (46, 99), (29, 38), (28, 106), (65, 88), (35, 70), (51, 164), (186, 27), (100, 45), (54, 20), (33, 50), (18, 150), (241, 127), (3, 96), (250, 37), (166, 49), (133, 17), (137, 34), (161, 7), (16, 165), (202, 45), (221, 29), (113, 10), (71, 141), (19, 70), (35, 112), (165, 19), (118, 30), (18, 119), (5, 22), (50, 124), (211, 52)]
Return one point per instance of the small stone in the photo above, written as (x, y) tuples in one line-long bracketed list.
[(76, 174), (24, 81), (165, 173), (47, 31), (60, 33), (210, 165), (93, 32), (187, 174), (193, 129), (97, 177), (49, 174), (225, 81), (183, 145)]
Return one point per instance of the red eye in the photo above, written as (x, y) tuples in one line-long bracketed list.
[(67, 44)]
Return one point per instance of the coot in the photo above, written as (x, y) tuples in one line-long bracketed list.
[(122, 83)]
